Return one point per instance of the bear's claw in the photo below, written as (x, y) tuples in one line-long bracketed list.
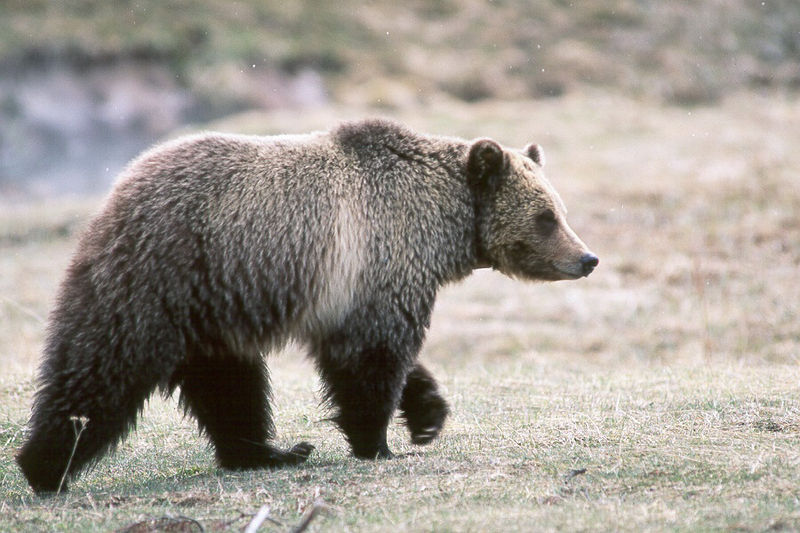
[(299, 453), (425, 435)]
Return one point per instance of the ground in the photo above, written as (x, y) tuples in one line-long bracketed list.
[(659, 393)]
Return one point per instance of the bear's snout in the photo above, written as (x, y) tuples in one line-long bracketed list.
[(588, 262)]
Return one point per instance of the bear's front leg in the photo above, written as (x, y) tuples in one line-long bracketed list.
[(422, 406), (364, 383)]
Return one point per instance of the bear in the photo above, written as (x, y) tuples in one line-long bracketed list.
[(214, 249)]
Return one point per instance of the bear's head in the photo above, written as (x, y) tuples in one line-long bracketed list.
[(522, 227)]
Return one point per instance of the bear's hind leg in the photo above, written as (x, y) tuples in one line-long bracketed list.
[(422, 406), (229, 396), (80, 412)]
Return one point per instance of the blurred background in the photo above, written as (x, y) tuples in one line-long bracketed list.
[(87, 84)]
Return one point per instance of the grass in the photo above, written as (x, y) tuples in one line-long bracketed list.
[(659, 447), (658, 394)]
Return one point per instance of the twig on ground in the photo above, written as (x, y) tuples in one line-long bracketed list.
[(255, 523), (318, 506)]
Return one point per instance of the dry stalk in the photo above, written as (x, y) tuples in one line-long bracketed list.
[(700, 282), (78, 425), (318, 506)]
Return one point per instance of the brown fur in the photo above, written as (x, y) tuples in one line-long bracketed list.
[(214, 248)]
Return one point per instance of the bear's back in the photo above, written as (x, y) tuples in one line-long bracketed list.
[(289, 232)]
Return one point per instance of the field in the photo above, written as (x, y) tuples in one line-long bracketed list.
[(661, 393)]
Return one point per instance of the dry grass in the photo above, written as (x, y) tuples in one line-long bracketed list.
[(660, 393)]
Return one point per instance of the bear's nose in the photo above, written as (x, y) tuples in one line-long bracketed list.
[(588, 262)]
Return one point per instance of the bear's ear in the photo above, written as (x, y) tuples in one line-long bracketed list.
[(485, 163), (535, 152)]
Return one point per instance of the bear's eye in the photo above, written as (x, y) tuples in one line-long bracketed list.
[(546, 222)]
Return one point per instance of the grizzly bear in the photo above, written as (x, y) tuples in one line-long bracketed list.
[(215, 249)]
